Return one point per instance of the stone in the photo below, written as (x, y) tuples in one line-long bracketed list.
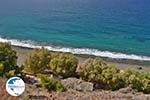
[(126, 90), (77, 84)]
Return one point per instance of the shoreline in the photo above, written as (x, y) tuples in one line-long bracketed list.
[(22, 53), (80, 51)]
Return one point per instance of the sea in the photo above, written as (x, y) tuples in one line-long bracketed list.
[(118, 29)]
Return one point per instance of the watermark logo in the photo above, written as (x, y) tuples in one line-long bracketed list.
[(15, 86)]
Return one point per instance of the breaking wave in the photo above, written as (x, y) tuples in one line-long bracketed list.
[(95, 52)]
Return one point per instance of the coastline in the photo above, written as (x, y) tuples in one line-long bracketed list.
[(22, 53), (76, 51)]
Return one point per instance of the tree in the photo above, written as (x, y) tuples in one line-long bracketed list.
[(37, 61), (63, 64), (8, 58)]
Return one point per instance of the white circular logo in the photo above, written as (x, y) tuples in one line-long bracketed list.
[(15, 86)]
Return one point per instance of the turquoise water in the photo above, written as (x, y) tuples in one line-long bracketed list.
[(108, 28)]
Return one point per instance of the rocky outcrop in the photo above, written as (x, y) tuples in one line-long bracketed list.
[(77, 84)]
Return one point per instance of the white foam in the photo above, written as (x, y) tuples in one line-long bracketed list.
[(95, 52)]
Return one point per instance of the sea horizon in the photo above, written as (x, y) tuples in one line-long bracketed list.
[(107, 28)]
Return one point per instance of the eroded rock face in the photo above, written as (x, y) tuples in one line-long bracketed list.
[(77, 84)]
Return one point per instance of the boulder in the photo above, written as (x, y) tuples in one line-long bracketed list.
[(127, 90), (77, 84)]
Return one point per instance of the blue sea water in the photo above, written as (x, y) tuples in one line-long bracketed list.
[(107, 28)]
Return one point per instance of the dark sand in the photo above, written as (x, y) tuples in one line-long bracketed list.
[(120, 63)]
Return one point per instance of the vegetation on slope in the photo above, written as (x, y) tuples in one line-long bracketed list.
[(109, 77), (100, 73), (37, 61), (50, 83), (63, 64), (8, 60), (95, 70)]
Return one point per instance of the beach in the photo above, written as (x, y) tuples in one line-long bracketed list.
[(116, 31), (22, 53)]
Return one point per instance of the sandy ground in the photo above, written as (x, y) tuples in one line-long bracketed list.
[(123, 64)]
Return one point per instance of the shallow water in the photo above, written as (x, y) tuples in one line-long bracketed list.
[(96, 27)]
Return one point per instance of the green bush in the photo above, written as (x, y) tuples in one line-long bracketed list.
[(8, 58), (37, 61), (10, 74), (1, 67), (14, 72), (139, 81), (50, 84), (63, 64), (111, 78), (101, 74), (146, 85), (91, 70)]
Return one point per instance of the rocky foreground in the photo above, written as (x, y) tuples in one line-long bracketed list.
[(124, 94), (81, 90), (77, 90)]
